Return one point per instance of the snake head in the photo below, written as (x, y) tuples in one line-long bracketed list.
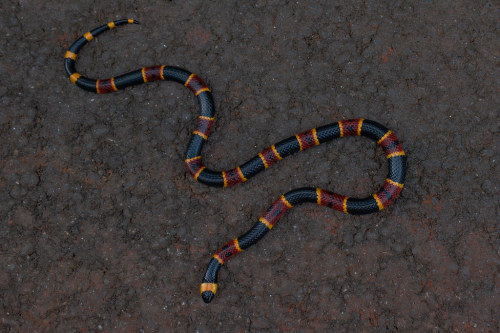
[(207, 296)]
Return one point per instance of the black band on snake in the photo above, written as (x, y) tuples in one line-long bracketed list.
[(394, 152)]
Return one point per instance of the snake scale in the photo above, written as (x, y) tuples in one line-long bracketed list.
[(392, 147)]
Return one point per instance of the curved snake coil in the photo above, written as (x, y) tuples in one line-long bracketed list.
[(393, 150)]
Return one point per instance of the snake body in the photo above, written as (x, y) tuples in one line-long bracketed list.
[(393, 150)]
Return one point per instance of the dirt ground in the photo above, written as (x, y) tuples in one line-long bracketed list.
[(103, 229)]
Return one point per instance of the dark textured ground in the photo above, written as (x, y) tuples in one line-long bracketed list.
[(102, 228)]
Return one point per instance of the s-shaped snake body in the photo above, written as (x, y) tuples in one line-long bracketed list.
[(393, 150)]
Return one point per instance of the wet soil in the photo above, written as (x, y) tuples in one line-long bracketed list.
[(103, 229)]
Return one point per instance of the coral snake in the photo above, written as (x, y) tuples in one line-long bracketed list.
[(393, 150)]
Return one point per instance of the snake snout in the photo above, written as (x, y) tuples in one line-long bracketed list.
[(207, 296)]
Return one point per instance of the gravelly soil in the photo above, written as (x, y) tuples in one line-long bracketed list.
[(103, 228)]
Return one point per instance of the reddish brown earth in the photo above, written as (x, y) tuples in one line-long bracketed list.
[(103, 229)]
